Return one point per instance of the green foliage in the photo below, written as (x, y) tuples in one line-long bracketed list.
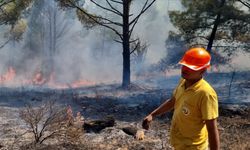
[(64, 4), (86, 19), (18, 29), (11, 11), (196, 22)]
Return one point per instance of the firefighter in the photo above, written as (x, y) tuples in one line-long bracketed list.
[(195, 104)]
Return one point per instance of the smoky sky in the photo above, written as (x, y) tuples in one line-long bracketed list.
[(80, 53)]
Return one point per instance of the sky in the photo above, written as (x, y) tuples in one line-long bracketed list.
[(92, 54)]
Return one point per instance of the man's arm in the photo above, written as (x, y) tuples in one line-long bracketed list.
[(163, 108), (166, 106), (213, 134)]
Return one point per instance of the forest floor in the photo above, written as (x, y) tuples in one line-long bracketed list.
[(127, 108)]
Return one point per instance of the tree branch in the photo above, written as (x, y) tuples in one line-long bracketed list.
[(108, 21), (135, 20), (2, 46), (94, 18), (136, 46), (112, 7), (118, 41), (5, 3), (245, 3), (133, 40), (118, 2), (49, 136), (110, 10), (144, 8)]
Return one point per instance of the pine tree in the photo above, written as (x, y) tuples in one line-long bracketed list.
[(122, 25), (215, 24)]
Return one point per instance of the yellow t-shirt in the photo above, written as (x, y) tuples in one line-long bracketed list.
[(192, 107)]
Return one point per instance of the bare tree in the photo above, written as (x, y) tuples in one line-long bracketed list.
[(122, 29), (138, 51), (51, 121), (42, 119)]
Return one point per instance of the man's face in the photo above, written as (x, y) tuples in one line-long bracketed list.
[(190, 74)]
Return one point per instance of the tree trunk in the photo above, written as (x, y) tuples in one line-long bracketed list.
[(216, 23), (52, 36), (126, 47), (211, 38)]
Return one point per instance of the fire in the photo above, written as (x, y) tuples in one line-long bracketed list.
[(39, 79), (8, 76), (81, 83), (53, 84)]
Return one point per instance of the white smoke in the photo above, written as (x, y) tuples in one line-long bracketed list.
[(87, 56), (154, 26), (241, 61), (92, 54)]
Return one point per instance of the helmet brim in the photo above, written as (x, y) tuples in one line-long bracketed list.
[(192, 67)]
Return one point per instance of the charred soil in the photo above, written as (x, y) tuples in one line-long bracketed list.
[(113, 116)]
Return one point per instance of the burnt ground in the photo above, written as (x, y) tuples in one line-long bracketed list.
[(126, 107)]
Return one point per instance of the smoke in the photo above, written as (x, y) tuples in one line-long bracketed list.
[(241, 61), (88, 56), (83, 54), (154, 26)]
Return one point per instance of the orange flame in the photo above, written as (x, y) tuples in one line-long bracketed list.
[(53, 84), (40, 79), (8, 76), (81, 83)]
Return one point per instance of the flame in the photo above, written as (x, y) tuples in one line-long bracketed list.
[(81, 83), (40, 80), (8, 76), (53, 84)]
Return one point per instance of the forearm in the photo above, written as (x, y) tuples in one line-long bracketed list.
[(214, 141), (213, 135), (166, 106)]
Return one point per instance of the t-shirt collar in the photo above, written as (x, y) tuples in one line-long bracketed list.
[(194, 87)]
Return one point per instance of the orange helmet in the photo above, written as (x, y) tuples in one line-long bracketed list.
[(196, 59)]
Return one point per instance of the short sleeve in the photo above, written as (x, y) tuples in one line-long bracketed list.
[(209, 106), (175, 90)]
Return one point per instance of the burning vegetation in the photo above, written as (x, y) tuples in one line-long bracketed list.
[(55, 55), (10, 78)]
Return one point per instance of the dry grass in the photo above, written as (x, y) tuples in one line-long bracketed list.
[(49, 121), (235, 133)]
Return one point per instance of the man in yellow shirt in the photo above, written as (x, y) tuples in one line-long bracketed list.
[(195, 104)]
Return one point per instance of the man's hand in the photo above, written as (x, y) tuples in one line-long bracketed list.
[(146, 122), (166, 106)]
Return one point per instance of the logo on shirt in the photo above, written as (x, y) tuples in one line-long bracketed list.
[(185, 110)]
